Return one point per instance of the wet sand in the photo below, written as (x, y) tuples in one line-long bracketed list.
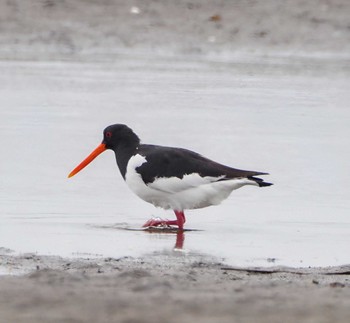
[(168, 287), (39, 29)]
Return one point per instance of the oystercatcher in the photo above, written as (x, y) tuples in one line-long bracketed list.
[(170, 178)]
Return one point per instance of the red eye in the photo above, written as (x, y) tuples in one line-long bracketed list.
[(108, 134)]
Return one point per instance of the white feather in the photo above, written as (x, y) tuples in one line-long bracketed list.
[(175, 184)]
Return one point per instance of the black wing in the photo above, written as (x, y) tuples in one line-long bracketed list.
[(177, 162)]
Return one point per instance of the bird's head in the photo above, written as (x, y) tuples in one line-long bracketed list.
[(114, 137), (119, 135)]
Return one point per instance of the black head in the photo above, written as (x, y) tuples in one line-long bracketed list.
[(116, 137), (119, 136)]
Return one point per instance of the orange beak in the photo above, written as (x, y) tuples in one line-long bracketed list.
[(100, 149)]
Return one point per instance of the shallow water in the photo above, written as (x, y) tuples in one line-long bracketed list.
[(289, 118)]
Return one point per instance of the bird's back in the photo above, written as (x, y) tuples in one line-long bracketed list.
[(176, 162)]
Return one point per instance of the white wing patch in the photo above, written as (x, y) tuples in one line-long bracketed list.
[(175, 184)]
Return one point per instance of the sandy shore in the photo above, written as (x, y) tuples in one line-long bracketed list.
[(42, 29), (172, 287)]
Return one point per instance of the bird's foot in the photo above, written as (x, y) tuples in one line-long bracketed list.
[(158, 222)]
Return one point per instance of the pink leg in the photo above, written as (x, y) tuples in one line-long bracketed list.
[(180, 220), (180, 216)]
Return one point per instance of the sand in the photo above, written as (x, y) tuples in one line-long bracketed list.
[(169, 287), (42, 29)]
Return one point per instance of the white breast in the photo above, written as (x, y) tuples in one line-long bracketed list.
[(190, 192)]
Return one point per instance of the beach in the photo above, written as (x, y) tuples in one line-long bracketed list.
[(170, 288)]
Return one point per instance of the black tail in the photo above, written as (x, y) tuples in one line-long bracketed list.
[(260, 181)]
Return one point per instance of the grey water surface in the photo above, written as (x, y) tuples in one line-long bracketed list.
[(288, 118)]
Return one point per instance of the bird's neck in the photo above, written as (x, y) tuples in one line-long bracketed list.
[(123, 154)]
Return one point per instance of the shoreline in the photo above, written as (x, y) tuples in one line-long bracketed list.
[(169, 287), (195, 29)]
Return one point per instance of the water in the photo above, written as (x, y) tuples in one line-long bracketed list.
[(289, 118)]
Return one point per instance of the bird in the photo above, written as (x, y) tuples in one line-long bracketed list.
[(168, 177)]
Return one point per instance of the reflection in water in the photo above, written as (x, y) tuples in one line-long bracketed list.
[(180, 235), (180, 239)]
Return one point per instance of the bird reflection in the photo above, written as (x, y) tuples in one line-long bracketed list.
[(180, 239), (180, 235)]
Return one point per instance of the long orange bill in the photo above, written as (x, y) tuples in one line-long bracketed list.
[(100, 149)]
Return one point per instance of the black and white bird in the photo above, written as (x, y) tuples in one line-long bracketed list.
[(170, 178)]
